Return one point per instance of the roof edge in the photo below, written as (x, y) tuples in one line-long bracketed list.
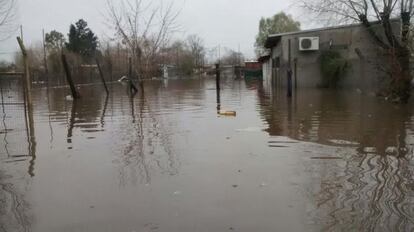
[(274, 37)]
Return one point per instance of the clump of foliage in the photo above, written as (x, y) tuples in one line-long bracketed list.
[(82, 40), (54, 40), (333, 68), (279, 23)]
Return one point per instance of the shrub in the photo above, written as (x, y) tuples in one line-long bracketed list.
[(333, 68)]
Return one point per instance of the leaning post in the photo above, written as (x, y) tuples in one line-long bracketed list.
[(102, 76), (28, 82), (75, 94)]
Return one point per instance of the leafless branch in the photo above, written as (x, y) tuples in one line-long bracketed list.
[(142, 26), (7, 18)]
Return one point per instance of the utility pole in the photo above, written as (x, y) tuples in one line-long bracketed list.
[(44, 54), (21, 33), (219, 53), (239, 56)]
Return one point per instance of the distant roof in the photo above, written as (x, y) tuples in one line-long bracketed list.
[(264, 58), (273, 39)]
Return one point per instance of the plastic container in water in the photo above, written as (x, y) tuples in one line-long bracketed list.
[(228, 113)]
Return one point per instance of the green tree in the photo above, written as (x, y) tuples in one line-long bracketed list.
[(279, 23), (54, 41), (82, 40)]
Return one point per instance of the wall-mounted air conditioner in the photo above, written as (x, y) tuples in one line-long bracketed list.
[(309, 43)]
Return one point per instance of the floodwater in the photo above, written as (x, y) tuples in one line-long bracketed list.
[(165, 161)]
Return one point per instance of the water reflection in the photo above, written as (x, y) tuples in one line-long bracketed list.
[(13, 208), (340, 119), (365, 182), (149, 148), (164, 158)]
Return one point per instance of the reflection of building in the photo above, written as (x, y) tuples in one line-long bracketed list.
[(340, 118), (365, 187), (300, 52)]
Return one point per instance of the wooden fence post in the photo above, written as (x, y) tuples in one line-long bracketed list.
[(75, 94), (102, 76), (28, 82)]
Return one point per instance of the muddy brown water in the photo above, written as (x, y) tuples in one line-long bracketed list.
[(165, 161)]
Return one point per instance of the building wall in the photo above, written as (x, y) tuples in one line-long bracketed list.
[(363, 74)]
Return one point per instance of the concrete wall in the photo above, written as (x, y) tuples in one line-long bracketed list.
[(363, 74)]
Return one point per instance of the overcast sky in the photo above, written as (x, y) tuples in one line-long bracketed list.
[(230, 23)]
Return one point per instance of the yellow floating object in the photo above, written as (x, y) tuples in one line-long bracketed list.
[(227, 113)]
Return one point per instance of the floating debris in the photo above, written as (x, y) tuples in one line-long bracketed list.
[(228, 113)]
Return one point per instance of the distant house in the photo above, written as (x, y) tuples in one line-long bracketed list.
[(300, 52), (253, 69)]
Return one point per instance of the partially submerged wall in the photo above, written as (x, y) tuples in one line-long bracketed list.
[(364, 72)]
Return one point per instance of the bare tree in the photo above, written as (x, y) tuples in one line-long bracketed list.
[(143, 29), (377, 12), (198, 53), (7, 18)]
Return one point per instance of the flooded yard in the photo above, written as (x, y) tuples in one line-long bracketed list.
[(166, 161)]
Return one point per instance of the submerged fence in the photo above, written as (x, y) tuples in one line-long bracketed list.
[(14, 129)]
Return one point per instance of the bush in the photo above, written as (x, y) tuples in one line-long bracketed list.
[(333, 68), (6, 67)]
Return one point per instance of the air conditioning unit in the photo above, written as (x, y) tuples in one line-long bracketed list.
[(309, 43)]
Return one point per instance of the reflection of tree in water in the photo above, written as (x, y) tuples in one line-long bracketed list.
[(371, 187), (13, 209), (149, 145)]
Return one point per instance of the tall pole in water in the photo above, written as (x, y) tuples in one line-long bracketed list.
[(289, 71), (28, 82), (75, 94), (29, 109), (44, 54), (218, 88), (219, 53)]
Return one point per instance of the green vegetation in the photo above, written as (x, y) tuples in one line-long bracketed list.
[(54, 40), (279, 23), (82, 40), (333, 68)]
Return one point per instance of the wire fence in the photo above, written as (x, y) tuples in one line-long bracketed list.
[(14, 137)]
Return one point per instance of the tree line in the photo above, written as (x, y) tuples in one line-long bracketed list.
[(142, 38)]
